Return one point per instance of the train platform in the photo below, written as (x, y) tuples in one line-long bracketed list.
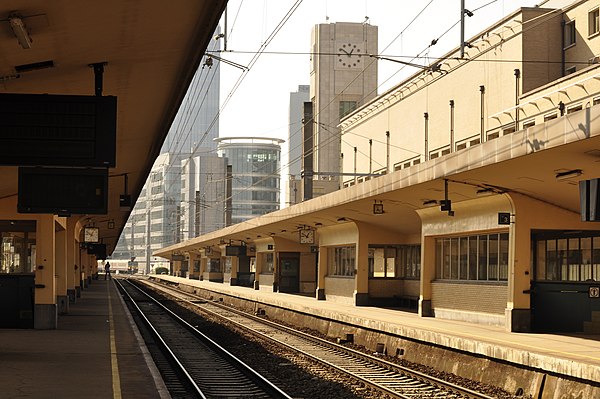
[(95, 352), (575, 356)]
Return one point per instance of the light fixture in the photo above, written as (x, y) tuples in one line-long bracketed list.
[(430, 202), (342, 219), (20, 30), (569, 174), (468, 13), (485, 191), (378, 208), (318, 224)]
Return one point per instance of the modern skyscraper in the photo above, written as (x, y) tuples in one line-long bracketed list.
[(297, 100), (154, 220), (197, 121), (203, 194), (160, 214), (255, 163)]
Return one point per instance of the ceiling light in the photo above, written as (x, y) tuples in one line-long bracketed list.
[(569, 174), (20, 31)]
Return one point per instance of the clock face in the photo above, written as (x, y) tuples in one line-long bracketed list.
[(307, 236), (90, 234), (350, 56)]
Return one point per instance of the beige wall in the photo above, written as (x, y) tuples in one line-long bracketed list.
[(586, 46), (340, 289), (534, 34)]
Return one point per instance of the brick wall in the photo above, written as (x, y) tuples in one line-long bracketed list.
[(467, 296)]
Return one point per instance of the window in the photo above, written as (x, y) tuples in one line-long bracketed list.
[(508, 130), (571, 70), (214, 265), (528, 124), (493, 135), (593, 22), (395, 261), (479, 257), (549, 117), (267, 267), (346, 107), (568, 259), (574, 109), (570, 34), (341, 261)]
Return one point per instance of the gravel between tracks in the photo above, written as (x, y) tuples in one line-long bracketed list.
[(299, 376)]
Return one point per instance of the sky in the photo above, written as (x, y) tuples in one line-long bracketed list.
[(256, 102)]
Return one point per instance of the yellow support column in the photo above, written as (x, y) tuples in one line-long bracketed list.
[(361, 275), (235, 261), (176, 268), (45, 312), (260, 257), (203, 266), (72, 252), (62, 300), (321, 273), (427, 275)]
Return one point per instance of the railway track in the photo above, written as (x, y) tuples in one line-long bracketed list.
[(388, 378), (202, 366)]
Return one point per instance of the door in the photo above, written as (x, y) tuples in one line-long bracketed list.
[(289, 272)]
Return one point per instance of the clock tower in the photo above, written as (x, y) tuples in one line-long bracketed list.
[(343, 78)]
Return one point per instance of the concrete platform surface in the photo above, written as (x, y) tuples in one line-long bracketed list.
[(570, 355), (94, 353)]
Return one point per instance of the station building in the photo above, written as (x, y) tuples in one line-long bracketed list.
[(481, 207)]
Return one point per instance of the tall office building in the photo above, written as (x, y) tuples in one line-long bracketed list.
[(255, 163), (203, 194), (340, 83), (297, 100), (160, 215), (154, 220), (196, 123)]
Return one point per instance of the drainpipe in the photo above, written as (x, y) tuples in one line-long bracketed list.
[(517, 90), (355, 149), (451, 125), (482, 132), (562, 43), (426, 116), (387, 165), (370, 156)]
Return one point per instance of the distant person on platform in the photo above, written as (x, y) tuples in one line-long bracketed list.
[(107, 270)]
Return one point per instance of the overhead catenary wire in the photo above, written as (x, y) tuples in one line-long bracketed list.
[(474, 60)]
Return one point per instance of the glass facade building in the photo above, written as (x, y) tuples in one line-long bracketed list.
[(255, 168)]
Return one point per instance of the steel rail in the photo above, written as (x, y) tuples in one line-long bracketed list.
[(387, 377), (261, 383)]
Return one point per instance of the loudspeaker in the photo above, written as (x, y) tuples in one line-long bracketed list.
[(589, 199)]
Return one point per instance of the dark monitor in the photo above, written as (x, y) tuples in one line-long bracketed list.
[(63, 191), (97, 249), (58, 130), (235, 250)]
